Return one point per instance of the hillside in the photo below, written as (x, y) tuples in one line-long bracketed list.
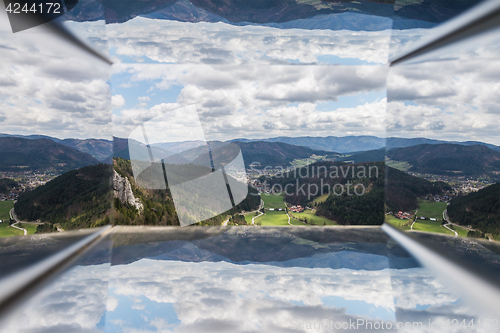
[(448, 159), (400, 191), (84, 198), (76, 199), (480, 209), (376, 155), (40, 154), (6, 184)]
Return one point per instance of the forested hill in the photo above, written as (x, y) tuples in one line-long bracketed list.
[(480, 209), (41, 154), (402, 190), (448, 159), (304, 185), (84, 198), (76, 199)]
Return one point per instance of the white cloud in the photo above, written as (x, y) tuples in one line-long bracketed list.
[(111, 304), (257, 101), (450, 100), (51, 87), (117, 101)]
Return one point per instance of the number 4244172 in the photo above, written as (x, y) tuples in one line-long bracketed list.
[(42, 8)]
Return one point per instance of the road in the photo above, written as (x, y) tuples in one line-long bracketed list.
[(415, 220), (445, 218), (14, 217)]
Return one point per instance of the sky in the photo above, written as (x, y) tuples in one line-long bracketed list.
[(245, 82)]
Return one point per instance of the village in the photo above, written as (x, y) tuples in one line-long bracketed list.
[(26, 181)]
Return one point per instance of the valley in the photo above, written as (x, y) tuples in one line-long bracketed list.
[(416, 183)]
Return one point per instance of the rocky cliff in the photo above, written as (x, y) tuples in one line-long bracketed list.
[(123, 191)]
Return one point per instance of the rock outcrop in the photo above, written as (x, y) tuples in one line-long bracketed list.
[(123, 191)]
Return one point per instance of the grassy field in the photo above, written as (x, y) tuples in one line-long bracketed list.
[(403, 166), (31, 228), (5, 207), (6, 231), (400, 224), (431, 226), (431, 209), (306, 161), (462, 232), (321, 199), (272, 201), (249, 217), (313, 219), (272, 218)]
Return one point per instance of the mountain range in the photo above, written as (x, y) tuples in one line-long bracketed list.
[(20, 154), (352, 144), (409, 14), (428, 156)]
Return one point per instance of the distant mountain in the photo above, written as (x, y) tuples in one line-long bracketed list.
[(99, 149), (480, 209), (448, 159), (266, 153), (329, 143), (353, 144), (178, 147), (394, 142), (30, 137), (121, 149), (40, 154), (277, 153)]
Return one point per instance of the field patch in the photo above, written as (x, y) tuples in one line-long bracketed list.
[(272, 201), (398, 223), (6, 231), (5, 207), (272, 218), (431, 226), (431, 209), (313, 219)]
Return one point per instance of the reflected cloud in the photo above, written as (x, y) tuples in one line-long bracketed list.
[(162, 41), (74, 302)]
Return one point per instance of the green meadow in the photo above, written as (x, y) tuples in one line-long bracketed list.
[(273, 218), (313, 219), (431, 226), (431, 209), (400, 224), (272, 201)]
